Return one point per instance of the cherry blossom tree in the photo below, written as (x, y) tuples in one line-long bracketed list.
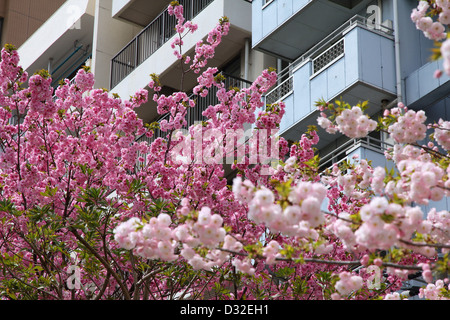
[(94, 205)]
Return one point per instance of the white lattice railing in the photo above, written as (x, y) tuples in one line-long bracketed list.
[(328, 57), (279, 92)]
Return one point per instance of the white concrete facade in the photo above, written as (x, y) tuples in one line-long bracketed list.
[(99, 29), (73, 21)]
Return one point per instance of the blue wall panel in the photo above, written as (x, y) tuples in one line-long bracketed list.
[(336, 78), (369, 46), (352, 57), (302, 92), (256, 21), (412, 88), (427, 82), (298, 4), (388, 64), (284, 10), (288, 118), (269, 18), (319, 87)]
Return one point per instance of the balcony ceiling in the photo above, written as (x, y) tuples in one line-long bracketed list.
[(55, 41), (142, 12), (308, 26)]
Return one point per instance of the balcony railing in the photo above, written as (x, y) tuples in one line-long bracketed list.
[(341, 153), (328, 57), (280, 91), (323, 54), (150, 39), (194, 115)]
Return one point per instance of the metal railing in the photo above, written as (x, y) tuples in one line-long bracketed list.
[(341, 153), (280, 91), (333, 40), (328, 57), (150, 39)]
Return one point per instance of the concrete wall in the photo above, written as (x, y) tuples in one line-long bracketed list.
[(110, 36)]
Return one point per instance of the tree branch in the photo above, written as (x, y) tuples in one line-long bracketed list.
[(103, 261)]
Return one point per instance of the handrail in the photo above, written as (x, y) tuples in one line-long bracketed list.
[(338, 155), (150, 39)]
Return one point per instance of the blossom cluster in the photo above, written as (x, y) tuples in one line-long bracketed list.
[(435, 30), (41, 95), (440, 226), (377, 231), (152, 240), (425, 182), (433, 291), (442, 134), (356, 180), (205, 50), (297, 219), (409, 126), (156, 239), (421, 180), (177, 10), (205, 81), (271, 117), (351, 122), (347, 283)]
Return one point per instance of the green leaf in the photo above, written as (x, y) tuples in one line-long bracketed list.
[(49, 192)]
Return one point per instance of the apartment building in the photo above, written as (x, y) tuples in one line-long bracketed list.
[(356, 50), (63, 43)]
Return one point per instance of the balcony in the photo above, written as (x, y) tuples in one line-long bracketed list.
[(364, 148), (287, 28), (150, 39), (354, 63), (150, 51), (423, 89), (63, 42)]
